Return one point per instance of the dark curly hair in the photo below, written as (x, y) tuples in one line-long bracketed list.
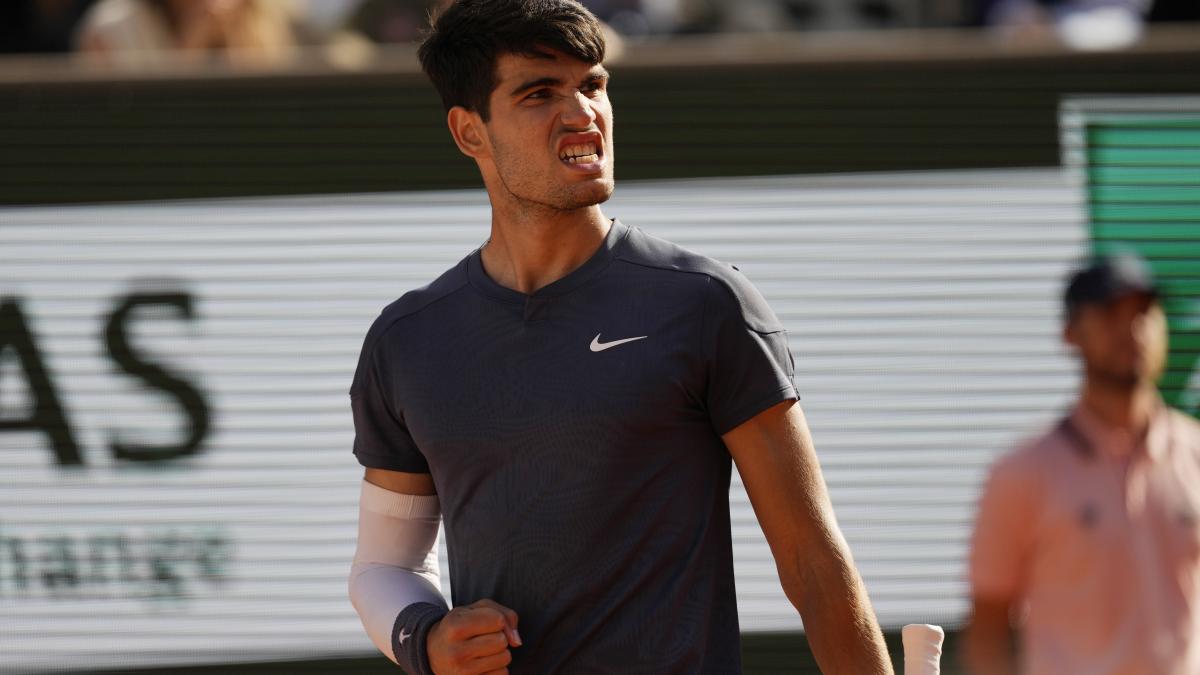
[(459, 53)]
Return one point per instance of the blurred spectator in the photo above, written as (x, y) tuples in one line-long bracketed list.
[(245, 32), (325, 17), (405, 21), (626, 17), (28, 26), (1008, 12), (397, 21), (784, 15), (1090, 533), (1082, 24), (392, 21)]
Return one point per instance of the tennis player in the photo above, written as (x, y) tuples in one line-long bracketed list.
[(567, 400), (1089, 535)]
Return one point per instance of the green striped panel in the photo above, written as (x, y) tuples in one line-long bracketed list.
[(1142, 175), (1143, 193)]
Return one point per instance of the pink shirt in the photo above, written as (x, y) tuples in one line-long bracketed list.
[(1096, 534)]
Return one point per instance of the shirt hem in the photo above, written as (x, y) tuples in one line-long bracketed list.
[(377, 463)]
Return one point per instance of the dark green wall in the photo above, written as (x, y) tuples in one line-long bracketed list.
[(73, 141), (1143, 194)]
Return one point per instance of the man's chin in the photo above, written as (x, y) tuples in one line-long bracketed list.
[(585, 196), (604, 192), (1119, 380)]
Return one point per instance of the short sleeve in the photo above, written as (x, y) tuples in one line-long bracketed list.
[(749, 364), (1001, 543), (381, 438)]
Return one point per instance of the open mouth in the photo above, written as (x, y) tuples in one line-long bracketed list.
[(580, 153)]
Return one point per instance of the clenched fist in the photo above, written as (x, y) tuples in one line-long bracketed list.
[(473, 640)]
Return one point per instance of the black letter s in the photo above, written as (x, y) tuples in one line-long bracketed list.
[(190, 399)]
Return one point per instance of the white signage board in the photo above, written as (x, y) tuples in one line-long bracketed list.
[(176, 482)]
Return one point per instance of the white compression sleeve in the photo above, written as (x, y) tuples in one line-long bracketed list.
[(396, 564)]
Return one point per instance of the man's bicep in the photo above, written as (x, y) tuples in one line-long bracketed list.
[(399, 481), (778, 465), (1000, 543)]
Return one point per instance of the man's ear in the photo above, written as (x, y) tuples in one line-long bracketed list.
[(468, 131)]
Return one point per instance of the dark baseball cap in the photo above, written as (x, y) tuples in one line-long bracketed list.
[(1106, 279)]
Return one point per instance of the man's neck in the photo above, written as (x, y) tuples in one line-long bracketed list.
[(1120, 407), (528, 253)]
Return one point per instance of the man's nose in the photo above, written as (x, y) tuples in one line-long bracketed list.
[(578, 112)]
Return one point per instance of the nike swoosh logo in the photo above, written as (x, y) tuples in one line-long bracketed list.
[(404, 636), (598, 346)]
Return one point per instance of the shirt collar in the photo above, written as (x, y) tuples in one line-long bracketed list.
[(579, 276), (1114, 442)]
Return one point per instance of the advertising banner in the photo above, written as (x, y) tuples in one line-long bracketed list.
[(176, 481)]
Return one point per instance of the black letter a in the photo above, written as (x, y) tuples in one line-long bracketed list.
[(48, 414)]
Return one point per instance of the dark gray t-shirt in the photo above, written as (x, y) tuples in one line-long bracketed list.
[(574, 437)]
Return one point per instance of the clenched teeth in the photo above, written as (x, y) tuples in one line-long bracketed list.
[(580, 153)]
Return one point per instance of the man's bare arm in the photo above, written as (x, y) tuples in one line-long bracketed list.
[(989, 640), (775, 457), (404, 483)]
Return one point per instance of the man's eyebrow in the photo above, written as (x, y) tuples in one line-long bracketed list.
[(533, 84), (598, 74)]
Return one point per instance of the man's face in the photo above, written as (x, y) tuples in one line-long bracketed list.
[(550, 131), (1122, 342)]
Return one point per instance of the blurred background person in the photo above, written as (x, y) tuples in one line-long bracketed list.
[(392, 21), (325, 16), (1081, 24), (258, 31), (1016, 12), (722, 16), (383, 22), (244, 32), (1092, 530)]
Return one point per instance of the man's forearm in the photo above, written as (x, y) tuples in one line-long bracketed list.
[(989, 648), (839, 622)]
